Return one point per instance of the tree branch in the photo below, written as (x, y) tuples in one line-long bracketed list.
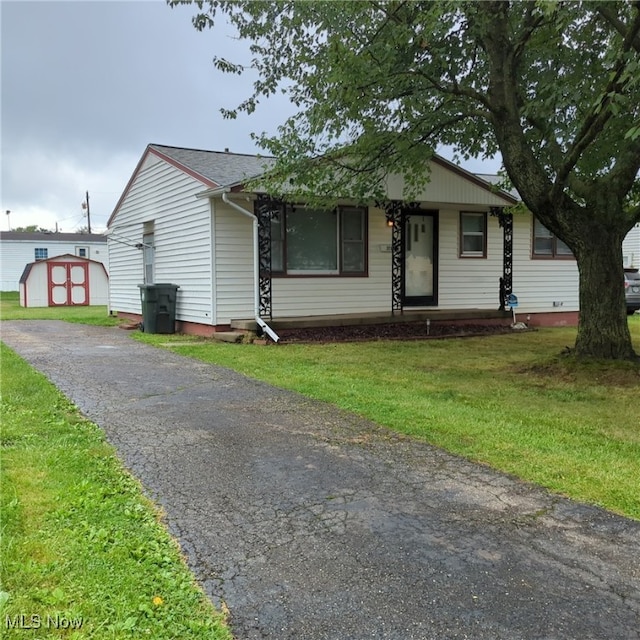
[(600, 112), (608, 12)]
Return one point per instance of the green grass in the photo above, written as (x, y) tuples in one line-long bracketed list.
[(80, 543), (508, 401), (10, 309)]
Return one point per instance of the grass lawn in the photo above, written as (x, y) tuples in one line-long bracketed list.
[(81, 543), (10, 309), (84, 554), (508, 401)]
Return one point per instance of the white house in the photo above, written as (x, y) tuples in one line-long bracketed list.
[(240, 257), (631, 248), (17, 249)]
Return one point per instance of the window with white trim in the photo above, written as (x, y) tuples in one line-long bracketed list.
[(473, 234), (41, 253), (148, 252), (312, 241)]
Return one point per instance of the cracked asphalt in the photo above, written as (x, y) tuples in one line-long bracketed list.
[(311, 523)]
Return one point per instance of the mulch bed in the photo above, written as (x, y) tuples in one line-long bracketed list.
[(395, 331)]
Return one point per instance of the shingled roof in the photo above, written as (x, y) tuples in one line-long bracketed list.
[(223, 168)]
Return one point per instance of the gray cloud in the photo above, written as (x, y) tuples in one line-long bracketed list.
[(87, 85)]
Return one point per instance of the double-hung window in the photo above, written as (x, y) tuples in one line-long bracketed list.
[(308, 241), (473, 235), (546, 244)]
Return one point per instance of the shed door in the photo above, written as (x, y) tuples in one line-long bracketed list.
[(68, 283)]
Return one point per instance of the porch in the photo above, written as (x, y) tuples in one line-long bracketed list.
[(455, 316)]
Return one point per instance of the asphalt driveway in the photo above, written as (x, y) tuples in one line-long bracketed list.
[(311, 523)]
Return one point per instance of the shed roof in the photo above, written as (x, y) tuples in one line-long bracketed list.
[(61, 258)]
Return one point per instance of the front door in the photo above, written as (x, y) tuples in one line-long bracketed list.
[(420, 233)]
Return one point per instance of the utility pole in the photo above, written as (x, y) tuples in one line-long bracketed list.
[(85, 205), (9, 219)]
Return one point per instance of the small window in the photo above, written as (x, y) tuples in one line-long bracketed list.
[(41, 253), (473, 235), (82, 252), (546, 244), (148, 257)]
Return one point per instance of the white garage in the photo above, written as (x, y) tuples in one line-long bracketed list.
[(64, 281)]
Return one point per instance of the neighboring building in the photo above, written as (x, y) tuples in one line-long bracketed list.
[(631, 248), (17, 249), (185, 218), (64, 281)]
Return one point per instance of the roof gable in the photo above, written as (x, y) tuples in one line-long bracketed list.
[(214, 169), (221, 170), (451, 184)]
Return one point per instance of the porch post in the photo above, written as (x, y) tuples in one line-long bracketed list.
[(266, 209), (505, 220), (393, 215)]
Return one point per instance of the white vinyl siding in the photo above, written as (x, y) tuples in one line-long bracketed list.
[(460, 286), (464, 283), (15, 255), (165, 196), (206, 248), (234, 270), (446, 187), (631, 248), (540, 283), (299, 296), (34, 292)]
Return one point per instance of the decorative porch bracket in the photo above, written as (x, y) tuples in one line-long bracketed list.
[(266, 210), (505, 220)]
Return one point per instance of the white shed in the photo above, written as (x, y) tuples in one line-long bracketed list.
[(19, 248), (64, 281)]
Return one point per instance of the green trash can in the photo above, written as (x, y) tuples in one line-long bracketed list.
[(158, 307)]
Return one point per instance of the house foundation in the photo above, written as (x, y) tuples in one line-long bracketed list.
[(460, 317)]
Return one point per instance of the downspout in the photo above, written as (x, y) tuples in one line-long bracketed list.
[(256, 268)]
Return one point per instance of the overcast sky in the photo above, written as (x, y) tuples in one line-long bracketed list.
[(87, 85)]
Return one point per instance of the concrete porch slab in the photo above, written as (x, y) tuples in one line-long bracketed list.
[(351, 319)]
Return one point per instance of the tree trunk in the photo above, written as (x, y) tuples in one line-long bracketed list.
[(603, 329)]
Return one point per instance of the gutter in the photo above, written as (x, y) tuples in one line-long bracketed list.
[(256, 266)]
